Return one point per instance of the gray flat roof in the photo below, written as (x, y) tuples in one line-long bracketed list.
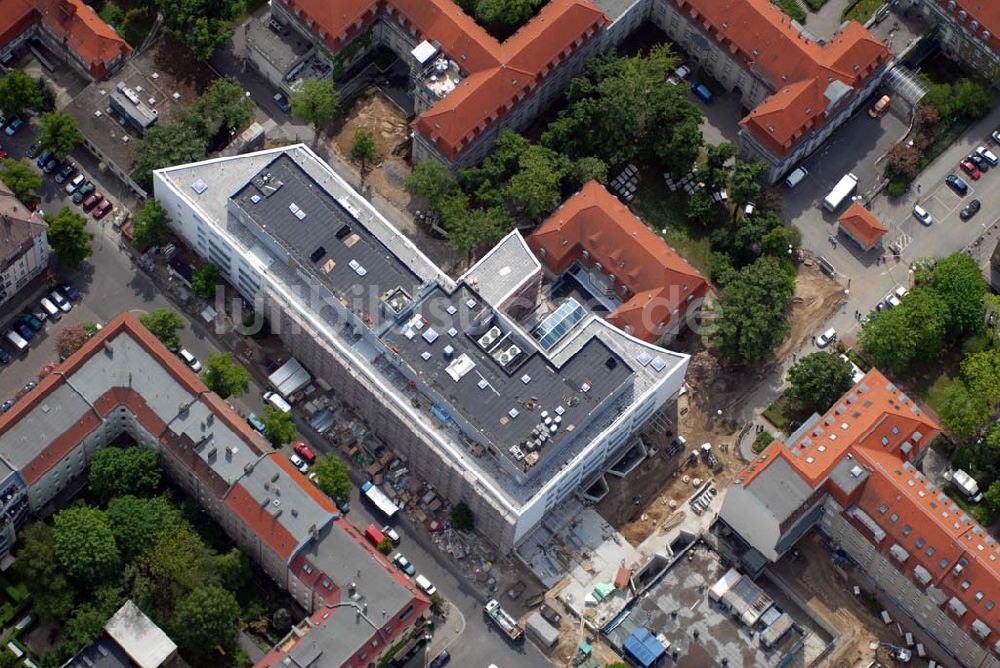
[(299, 510), (780, 488), (280, 48), (102, 654)]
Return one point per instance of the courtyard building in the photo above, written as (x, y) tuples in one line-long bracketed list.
[(499, 389), (24, 246), (852, 475), (124, 381)]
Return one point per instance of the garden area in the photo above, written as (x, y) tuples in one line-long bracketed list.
[(862, 10), (130, 535), (501, 18)]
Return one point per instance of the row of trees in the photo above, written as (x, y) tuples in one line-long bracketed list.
[(131, 544)]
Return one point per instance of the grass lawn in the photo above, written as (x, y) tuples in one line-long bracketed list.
[(793, 9), (780, 413), (862, 10), (662, 210), (978, 511)]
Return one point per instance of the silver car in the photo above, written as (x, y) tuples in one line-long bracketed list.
[(922, 214)]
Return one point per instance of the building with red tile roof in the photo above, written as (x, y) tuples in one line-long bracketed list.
[(653, 285), (969, 30), (852, 475), (862, 226), (123, 380), (64, 25)]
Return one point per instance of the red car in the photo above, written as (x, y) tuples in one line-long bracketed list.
[(92, 200), (3, 154), (102, 209), (305, 452), (970, 168)]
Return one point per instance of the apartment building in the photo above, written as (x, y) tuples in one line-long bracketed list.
[(852, 475), (72, 27), (646, 288), (24, 245), (969, 31), (123, 380), (498, 391)]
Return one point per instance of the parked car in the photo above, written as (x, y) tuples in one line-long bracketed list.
[(51, 166), (305, 452), (922, 214), (256, 423), (957, 184), (75, 183), (60, 301), (5, 357), (403, 564), (28, 387), (50, 308), (391, 534), (441, 659), (71, 293), (44, 158), (92, 200), (31, 321), (971, 169), (796, 177), (68, 170), (880, 107), (682, 72), (702, 92), (14, 127), (298, 463), (282, 102), (102, 209), (85, 190), (988, 155), (32, 150), (16, 340), (26, 332), (826, 338), (979, 161), (190, 360), (425, 585), (7, 405), (970, 209)]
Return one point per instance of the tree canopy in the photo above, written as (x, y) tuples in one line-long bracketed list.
[(363, 148), (962, 412), (69, 238), (70, 339), (203, 25), (167, 144), (18, 93), (751, 312), (22, 180), (137, 523), (278, 426), (224, 376), (913, 330), (331, 477), (150, 225), (119, 471), (85, 545), (960, 284), (317, 102), (225, 106), (206, 617), (36, 564), (431, 181), (165, 324), (818, 380), (204, 280), (58, 132)]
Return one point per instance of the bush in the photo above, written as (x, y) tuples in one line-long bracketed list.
[(793, 9), (815, 5), (764, 439), (897, 186), (385, 546)]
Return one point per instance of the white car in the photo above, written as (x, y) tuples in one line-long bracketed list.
[(391, 534), (298, 463), (190, 360), (682, 72), (824, 339), (988, 155), (922, 214), (75, 184), (60, 301), (891, 300), (900, 292), (996, 136), (856, 373)]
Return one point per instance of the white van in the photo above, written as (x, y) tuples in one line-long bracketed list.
[(277, 401), (425, 585), (17, 340), (796, 177), (50, 309)]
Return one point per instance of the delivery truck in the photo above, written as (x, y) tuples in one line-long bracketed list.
[(840, 192)]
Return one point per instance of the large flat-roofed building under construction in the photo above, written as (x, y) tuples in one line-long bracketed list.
[(498, 391)]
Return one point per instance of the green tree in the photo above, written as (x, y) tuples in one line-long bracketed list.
[(477, 228), (168, 144), (981, 458), (69, 238), (224, 376), (204, 25), (225, 105), (959, 282), (204, 618), (119, 471), (70, 339), (178, 562), (331, 477), (751, 319), (363, 149), (165, 324), (85, 545), (972, 97), (818, 380), (204, 279), (18, 93), (981, 372), (233, 569), (700, 207), (431, 181), (82, 629), (941, 98), (992, 496), (744, 182), (58, 133), (22, 180), (913, 330), (137, 523), (385, 546), (317, 102), (462, 517), (587, 169), (53, 595), (281, 620), (150, 225), (961, 411), (534, 189), (278, 426)]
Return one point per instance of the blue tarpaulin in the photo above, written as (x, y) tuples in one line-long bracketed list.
[(643, 647)]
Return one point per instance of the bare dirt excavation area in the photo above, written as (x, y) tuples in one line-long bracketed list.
[(643, 501)]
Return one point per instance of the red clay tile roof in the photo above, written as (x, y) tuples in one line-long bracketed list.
[(862, 224), (800, 70), (656, 278), (93, 40), (16, 16), (496, 74), (986, 13), (262, 521)]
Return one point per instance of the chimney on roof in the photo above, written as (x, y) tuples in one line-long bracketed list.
[(266, 501)]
